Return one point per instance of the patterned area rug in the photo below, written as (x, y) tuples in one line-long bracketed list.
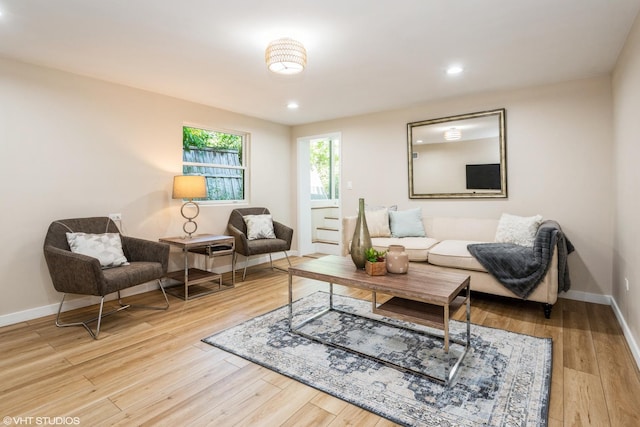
[(503, 381)]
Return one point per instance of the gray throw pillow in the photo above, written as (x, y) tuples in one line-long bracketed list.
[(107, 247), (259, 227)]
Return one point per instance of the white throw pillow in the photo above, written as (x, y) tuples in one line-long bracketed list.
[(520, 230), (107, 247), (407, 223), (259, 227), (378, 222)]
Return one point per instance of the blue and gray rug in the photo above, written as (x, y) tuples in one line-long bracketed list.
[(503, 381)]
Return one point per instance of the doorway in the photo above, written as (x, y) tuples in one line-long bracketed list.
[(319, 207)]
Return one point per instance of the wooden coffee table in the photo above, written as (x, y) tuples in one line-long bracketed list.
[(423, 295)]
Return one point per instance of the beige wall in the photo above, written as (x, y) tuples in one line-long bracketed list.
[(559, 164), (626, 250), (72, 146)]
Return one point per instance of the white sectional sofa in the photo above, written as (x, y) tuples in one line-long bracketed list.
[(445, 247)]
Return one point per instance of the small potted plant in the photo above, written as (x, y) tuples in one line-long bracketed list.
[(375, 264)]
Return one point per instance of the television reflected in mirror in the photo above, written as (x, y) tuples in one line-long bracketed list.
[(483, 177), (461, 156)]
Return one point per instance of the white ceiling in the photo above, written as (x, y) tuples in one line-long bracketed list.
[(364, 55), (471, 128)]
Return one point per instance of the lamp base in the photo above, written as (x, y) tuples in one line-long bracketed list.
[(190, 226)]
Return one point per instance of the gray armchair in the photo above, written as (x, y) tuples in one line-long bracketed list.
[(75, 273), (238, 229)]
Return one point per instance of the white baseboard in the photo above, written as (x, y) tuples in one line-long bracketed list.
[(260, 259), (609, 300), (586, 297), (633, 344), (79, 302), (69, 304), (30, 314)]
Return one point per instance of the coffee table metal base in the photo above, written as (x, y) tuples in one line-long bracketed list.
[(450, 369)]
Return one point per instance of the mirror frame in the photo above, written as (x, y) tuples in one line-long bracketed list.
[(501, 114)]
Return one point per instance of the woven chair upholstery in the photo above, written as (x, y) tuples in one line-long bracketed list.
[(238, 229), (73, 273)]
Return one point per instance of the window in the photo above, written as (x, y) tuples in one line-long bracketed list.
[(220, 157), (325, 168)]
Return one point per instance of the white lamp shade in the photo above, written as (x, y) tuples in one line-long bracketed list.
[(189, 187), (286, 56)]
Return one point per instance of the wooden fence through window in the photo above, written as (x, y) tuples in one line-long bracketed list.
[(222, 183)]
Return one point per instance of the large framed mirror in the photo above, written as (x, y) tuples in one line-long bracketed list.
[(460, 156)]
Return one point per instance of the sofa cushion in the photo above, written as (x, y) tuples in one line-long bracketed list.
[(520, 230), (378, 222), (407, 223), (416, 247), (460, 228), (454, 254)]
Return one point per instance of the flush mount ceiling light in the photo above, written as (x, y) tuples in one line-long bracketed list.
[(454, 69), (452, 134), (286, 56)]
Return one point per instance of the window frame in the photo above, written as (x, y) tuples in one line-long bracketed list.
[(246, 144)]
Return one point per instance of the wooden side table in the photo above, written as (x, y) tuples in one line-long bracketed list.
[(210, 245)]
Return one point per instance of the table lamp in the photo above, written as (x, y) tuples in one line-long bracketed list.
[(189, 187)]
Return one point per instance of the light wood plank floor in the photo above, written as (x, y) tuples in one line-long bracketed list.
[(150, 368)]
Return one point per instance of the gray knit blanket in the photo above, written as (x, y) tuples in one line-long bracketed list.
[(519, 268)]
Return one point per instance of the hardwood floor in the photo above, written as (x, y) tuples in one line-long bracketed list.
[(150, 367)]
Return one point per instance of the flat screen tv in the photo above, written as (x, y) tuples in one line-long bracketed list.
[(483, 177)]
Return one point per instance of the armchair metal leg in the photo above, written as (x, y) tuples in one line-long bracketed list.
[(246, 263), (234, 257), (150, 307), (234, 262), (279, 268), (123, 306), (85, 324)]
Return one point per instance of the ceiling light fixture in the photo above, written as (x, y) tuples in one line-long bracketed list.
[(292, 105), (286, 56), (452, 134), (454, 69)]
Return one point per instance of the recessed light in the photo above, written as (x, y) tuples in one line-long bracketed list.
[(292, 105), (454, 69)]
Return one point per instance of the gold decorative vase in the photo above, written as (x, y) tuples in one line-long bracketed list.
[(361, 240)]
